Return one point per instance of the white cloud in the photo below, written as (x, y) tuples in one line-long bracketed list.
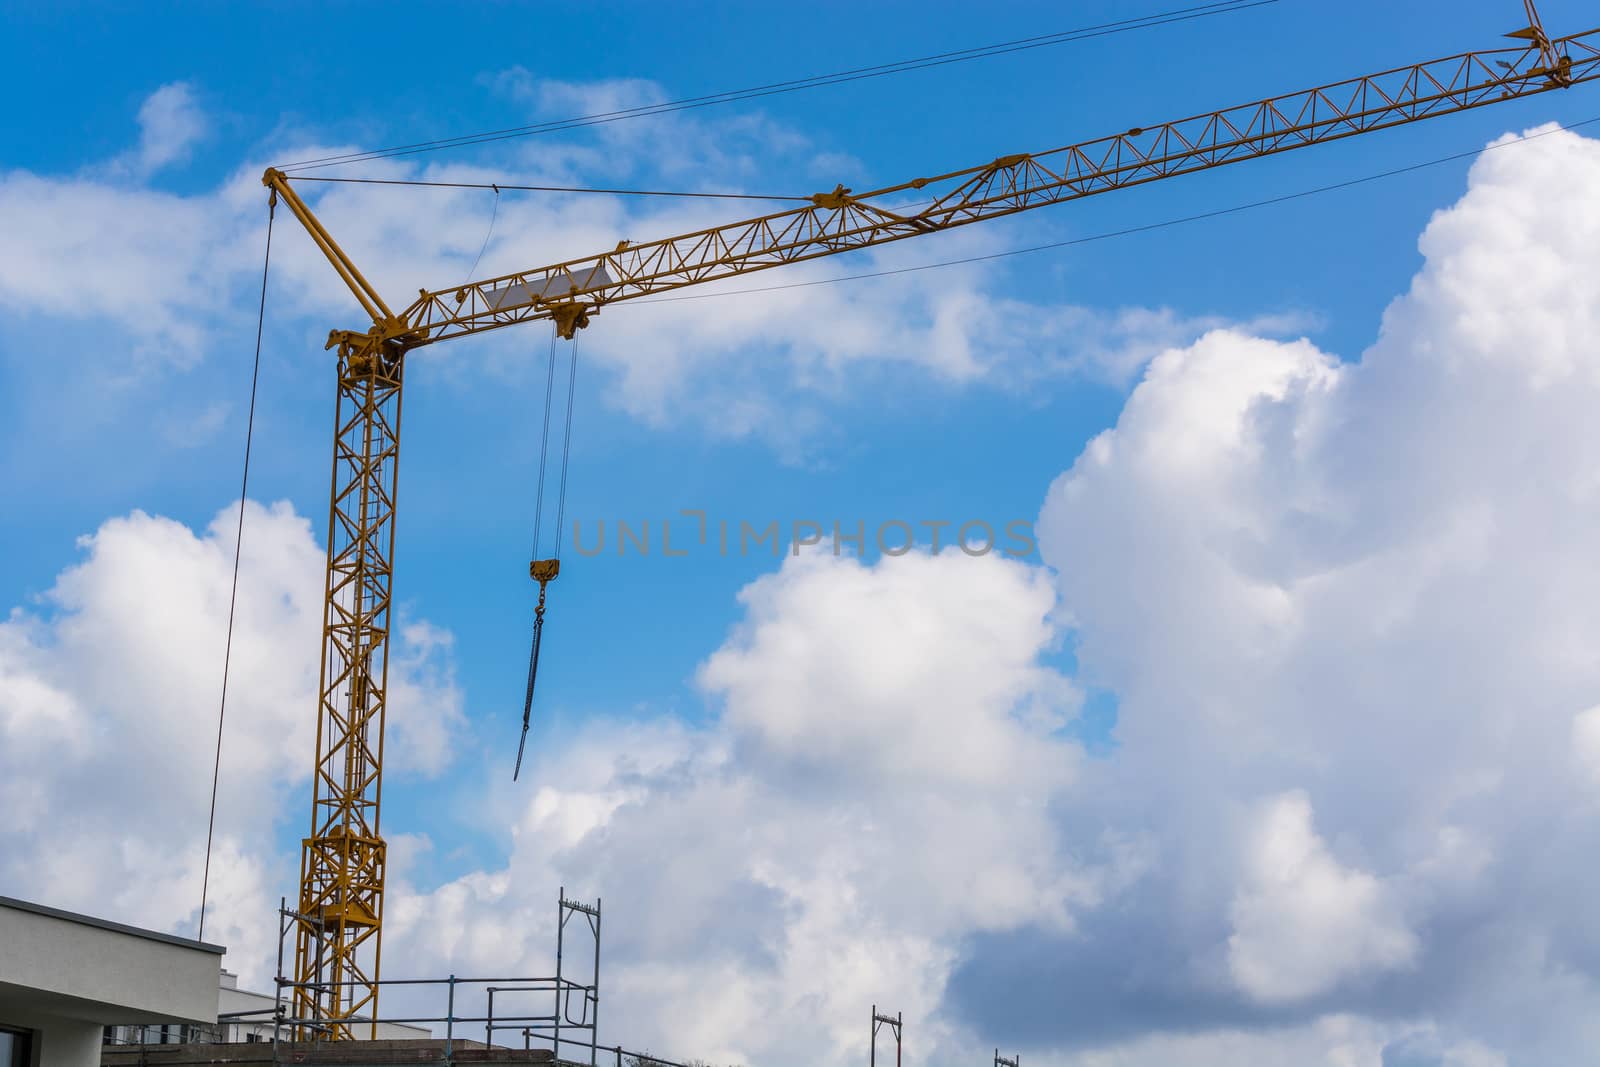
[(103, 246), (162, 267), (966, 637), (1371, 583), (177, 273), (1586, 743), (1333, 1041), (1367, 583), (170, 122), (1424, 1047), (108, 713), (878, 783), (1302, 922)]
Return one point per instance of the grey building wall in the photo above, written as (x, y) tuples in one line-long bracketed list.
[(66, 977), (58, 1041)]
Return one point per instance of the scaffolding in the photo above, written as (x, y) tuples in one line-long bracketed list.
[(558, 1012), (894, 1023), (549, 1010)]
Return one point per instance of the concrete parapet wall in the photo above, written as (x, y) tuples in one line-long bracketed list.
[(321, 1054)]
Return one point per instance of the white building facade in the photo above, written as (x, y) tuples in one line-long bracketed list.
[(65, 978)]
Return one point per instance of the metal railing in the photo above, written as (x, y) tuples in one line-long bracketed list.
[(496, 1019), (161, 1034), (570, 1006)]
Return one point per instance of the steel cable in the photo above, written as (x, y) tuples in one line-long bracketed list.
[(238, 544), (1163, 18)]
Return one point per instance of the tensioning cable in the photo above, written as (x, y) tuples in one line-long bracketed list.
[(494, 216), (544, 570), (877, 70), (238, 543)]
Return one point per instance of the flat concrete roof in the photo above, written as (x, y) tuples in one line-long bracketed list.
[(106, 924), (58, 963), (326, 1054)]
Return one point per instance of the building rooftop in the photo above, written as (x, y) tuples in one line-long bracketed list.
[(326, 1054), (107, 924), (59, 963)]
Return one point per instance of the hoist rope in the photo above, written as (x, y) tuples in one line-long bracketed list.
[(544, 446), (538, 524), (566, 447), (238, 544)]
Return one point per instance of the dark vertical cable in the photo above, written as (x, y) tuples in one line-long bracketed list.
[(238, 544), (544, 444), (566, 445), (538, 511), (494, 215), (527, 703)]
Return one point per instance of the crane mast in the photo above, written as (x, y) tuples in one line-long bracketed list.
[(339, 920)]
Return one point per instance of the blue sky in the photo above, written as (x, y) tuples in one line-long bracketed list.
[(105, 415), (929, 453)]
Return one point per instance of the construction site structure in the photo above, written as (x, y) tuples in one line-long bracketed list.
[(561, 1010), (895, 1024), (339, 912)]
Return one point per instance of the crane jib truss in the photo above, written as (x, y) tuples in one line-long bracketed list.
[(839, 221), (340, 914)]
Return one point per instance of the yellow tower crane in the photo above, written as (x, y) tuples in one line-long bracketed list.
[(339, 921)]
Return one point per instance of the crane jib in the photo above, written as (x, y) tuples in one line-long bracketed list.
[(837, 222)]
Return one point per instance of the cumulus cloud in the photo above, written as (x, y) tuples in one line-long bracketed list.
[(174, 273), (160, 266), (1302, 922), (108, 712), (1353, 589), (1425, 1048), (974, 649), (1361, 587), (877, 785), (1586, 743), (1344, 609), (170, 122)]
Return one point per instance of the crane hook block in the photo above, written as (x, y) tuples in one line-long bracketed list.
[(571, 317), (544, 572)]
